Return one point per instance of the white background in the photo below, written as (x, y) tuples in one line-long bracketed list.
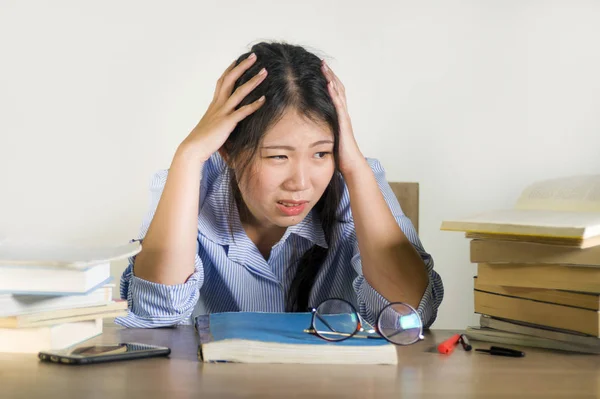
[(472, 99)]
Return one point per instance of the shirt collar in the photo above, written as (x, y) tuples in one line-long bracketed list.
[(310, 229), (213, 216)]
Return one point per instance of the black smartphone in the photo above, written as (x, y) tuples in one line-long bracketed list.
[(103, 353)]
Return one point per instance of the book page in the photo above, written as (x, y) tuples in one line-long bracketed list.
[(575, 194), (529, 222)]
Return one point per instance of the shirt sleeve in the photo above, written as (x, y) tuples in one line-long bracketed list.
[(158, 305), (372, 302)]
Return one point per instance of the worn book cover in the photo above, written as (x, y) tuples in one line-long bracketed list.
[(256, 337)]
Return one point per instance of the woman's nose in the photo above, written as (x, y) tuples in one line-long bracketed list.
[(298, 179)]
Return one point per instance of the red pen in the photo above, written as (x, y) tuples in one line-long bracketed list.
[(448, 345)]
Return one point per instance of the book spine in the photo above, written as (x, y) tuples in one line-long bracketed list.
[(202, 326)]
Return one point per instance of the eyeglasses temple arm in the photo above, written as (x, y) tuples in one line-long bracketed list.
[(363, 322), (325, 322)]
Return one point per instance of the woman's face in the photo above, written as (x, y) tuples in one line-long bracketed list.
[(290, 172)]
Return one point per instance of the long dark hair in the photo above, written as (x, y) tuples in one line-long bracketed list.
[(294, 82)]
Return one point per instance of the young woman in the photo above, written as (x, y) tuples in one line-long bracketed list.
[(269, 205)]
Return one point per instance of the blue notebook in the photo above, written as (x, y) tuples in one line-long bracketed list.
[(256, 337)]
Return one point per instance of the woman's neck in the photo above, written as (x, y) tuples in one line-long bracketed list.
[(263, 237), (263, 234)]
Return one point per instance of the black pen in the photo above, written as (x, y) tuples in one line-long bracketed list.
[(499, 351), (465, 342)]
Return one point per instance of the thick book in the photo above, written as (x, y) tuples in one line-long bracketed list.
[(569, 298), (12, 305), (63, 256), (112, 309), (540, 331), (499, 251), (53, 281), (256, 337), (564, 211), (485, 334), (60, 269), (582, 279), (552, 315), (54, 337)]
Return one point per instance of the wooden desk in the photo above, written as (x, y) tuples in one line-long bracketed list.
[(422, 372)]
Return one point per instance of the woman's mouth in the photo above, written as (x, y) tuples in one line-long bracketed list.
[(291, 208)]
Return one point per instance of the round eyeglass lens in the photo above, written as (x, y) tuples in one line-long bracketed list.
[(400, 324), (335, 320)]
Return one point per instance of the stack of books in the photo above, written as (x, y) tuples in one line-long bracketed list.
[(53, 297), (538, 267)]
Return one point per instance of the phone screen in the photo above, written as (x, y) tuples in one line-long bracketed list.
[(96, 353), (102, 350)]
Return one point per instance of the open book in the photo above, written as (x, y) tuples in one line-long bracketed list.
[(256, 337), (564, 211)]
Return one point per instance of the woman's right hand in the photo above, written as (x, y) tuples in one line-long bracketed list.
[(221, 117)]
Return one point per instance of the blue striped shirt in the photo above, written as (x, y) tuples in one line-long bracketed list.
[(232, 275)]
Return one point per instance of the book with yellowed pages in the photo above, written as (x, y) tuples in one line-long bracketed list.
[(28, 269), (503, 251), (257, 337), (552, 315), (53, 281), (63, 256), (53, 337), (13, 304), (562, 211), (112, 309), (475, 333), (582, 279), (560, 297), (539, 331)]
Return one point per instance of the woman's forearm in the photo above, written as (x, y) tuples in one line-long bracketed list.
[(390, 263), (169, 247)]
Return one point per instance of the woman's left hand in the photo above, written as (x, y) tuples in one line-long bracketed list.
[(349, 153)]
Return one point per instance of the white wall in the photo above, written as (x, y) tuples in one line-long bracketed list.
[(473, 99)]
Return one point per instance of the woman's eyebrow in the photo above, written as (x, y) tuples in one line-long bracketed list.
[(290, 148), (316, 143), (278, 147)]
